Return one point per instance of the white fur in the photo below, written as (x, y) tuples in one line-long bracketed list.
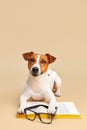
[(39, 88)]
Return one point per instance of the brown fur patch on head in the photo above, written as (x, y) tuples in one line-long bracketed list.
[(27, 55), (44, 63), (50, 58), (32, 60), (31, 57)]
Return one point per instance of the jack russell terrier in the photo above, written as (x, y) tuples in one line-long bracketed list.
[(42, 83)]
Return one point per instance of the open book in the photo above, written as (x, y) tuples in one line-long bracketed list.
[(65, 110)]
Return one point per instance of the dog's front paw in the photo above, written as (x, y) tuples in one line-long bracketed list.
[(20, 110), (51, 109)]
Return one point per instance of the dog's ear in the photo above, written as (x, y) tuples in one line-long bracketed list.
[(50, 58), (27, 55)]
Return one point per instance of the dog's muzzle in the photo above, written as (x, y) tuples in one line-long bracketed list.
[(35, 71)]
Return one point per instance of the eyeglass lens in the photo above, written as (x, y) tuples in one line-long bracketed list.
[(30, 115), (45, 118)]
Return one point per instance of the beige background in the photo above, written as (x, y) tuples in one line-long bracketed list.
[(58, 27)]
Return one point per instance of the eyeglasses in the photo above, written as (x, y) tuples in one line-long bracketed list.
[(32, 112)]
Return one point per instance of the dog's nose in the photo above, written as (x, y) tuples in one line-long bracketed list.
[(35, 69)]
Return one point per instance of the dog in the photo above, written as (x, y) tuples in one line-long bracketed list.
[(42, 82)]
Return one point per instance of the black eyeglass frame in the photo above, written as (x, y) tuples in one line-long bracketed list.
[(38, 114)]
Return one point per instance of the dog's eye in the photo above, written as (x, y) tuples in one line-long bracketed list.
[(43, 61), (32, 59)]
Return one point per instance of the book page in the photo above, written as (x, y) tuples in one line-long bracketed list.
[(66, 108), (63, 107)]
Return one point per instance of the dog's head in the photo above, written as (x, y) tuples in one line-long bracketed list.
[(38, 63)]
